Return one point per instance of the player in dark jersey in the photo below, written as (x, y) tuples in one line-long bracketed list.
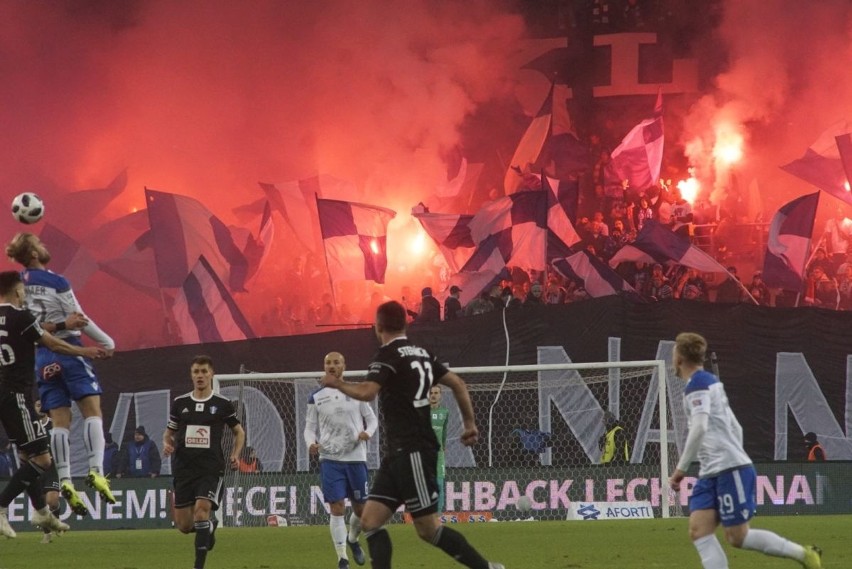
[(193, 436), (401, 375), (50, 478), (19, 334)]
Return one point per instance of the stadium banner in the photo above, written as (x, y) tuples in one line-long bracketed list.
[(586, 511), (473, 495)]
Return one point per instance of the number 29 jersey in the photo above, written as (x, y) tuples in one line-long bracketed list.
[(405, 373), (199, 426)]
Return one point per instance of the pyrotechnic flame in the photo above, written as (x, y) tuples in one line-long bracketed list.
[(689, 189), (417, 245), (374, 246), (729, 145), (846, 186)]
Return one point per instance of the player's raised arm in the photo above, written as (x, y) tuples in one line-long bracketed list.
[(54, 344)]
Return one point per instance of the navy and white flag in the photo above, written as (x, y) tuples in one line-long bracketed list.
[(204, 310), (182, 230), (355, 239), (659, 244), (844, 146), (597, 278), (563, 197), (451, 233), (639, 156), (515, 227), (788, 244), (821, 164)]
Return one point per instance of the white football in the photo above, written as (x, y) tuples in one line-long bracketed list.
[(524, 504), (27, 208)]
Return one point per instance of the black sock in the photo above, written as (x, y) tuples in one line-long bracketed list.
[(36, 493), (456, 546), (380, 547), (202, 537), (20, 481)]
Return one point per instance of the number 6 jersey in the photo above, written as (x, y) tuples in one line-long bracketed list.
[(405, 373)]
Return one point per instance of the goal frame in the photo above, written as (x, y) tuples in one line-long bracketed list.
[(659, 367)]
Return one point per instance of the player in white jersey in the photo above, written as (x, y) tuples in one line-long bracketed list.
[(725, 491), (345, 426), (63, 379)]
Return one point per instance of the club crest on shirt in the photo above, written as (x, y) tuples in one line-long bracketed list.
[(213, 409)]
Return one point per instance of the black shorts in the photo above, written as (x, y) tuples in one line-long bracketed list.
[(21, 423), (50, 479), (409, 479), (189, 488)]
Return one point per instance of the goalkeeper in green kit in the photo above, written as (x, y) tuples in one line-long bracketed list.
[(440, 418)]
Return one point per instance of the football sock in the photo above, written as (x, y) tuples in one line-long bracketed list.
[(35, 489), (711, 552), (381, 549), (61, 452), (25, 477), (354, 527), (772, 544), (202, 537), (338, 535), (93, 438), (456, 546)]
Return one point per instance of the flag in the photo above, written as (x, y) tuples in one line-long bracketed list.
[(821, 164), (530, 146), (204, 310), (658, 244), (562, 199), (597, 278), (257, 249), (639, 156), (844, 146), (113, 237), (451, 232), (68, 257), (788, 243), (86, 205), (136, 266), (296, 202), (183, 229), (355, 239), (516, 227)]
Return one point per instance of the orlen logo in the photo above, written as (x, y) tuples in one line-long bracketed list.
[(50, 371)]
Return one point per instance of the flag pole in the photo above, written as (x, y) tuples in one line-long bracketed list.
[(325, 254)]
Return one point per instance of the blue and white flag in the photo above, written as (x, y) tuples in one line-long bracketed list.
[(204, 310), (659, 244), (789, 242), (355, 239), (451, 233), (596, 277), (821, 164), (844, 146), (640, 155)]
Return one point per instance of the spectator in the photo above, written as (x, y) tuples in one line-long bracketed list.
[(536, 295), (844, 288), (509, 300), (822, 289), (615, 448), (838, 231), (249, 462), (691, 286), (142, 456), (554, 293), (110, 455), (758, 289), (479, 305), (731, 290), (658, 287), (452, 305), (820, 260), (642, 214), (430, 308), (815, 451)]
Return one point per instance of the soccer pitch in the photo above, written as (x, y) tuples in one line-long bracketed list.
[(657, 544)]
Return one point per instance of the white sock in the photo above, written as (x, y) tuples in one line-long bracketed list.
[(711, 552), (354, 527), (61, 449), (772, 544), (338, 535), (93, 438)]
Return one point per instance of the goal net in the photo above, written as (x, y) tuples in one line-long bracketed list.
[(541, 433)]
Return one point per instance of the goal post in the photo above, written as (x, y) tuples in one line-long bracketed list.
[(541, 427)]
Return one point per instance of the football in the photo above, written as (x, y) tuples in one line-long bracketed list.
[(27, 208), (524, 504)]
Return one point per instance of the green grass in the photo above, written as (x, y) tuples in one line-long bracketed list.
[(651, 544)]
